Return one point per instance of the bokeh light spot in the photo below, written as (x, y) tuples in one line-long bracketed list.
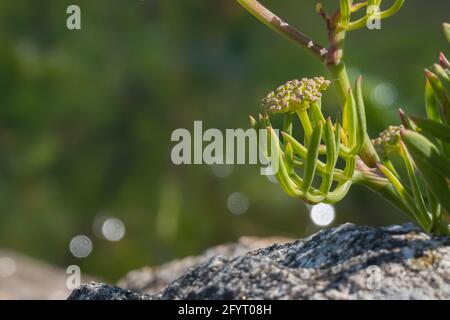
[(384, 95), (322, 214), (80, 246), (113, 229), (222, 170), (238, 203)]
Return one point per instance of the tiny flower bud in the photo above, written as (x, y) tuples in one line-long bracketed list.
[(388, 140), (295, 94)]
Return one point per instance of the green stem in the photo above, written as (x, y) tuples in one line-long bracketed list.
[(341, 80), (343, 85), (278, 25), (377, 183), (389, 194), (336, 66), (442, 228)]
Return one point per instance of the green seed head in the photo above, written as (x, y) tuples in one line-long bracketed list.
[(295, 94)]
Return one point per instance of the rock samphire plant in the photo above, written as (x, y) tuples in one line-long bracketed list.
[(409, 164)]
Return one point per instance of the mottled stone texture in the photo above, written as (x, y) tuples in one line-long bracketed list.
[(99, 291), (347, 262)]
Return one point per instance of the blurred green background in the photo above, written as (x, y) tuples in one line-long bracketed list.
[(86, 118)]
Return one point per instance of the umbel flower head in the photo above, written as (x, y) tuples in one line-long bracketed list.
[(388, 140), (295, 94)]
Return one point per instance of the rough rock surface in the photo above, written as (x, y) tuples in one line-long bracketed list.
[(347, 262), (151, 280), (99, 291)]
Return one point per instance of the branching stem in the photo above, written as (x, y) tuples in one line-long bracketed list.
[(331, 57), (280, 26)]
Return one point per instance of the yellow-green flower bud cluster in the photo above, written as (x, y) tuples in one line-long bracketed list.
[(387, 140), (295, 94)]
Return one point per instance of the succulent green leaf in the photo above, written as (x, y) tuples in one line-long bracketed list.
[(351, 119), (306, 123), (424, 150), (332, 143), (444, 76), (431, 103), (281, 172), (253, 122), (300, 150), (316, 114), (404, 195), (350, 167), (289, 158), (332, 157), (435, 206), (361, 116), (297, 146), (437, 183), (444, 62), (338, 194), (414, 183), (440, 71), (287, 125), (447, 31), (434, 128), (441, 95), (388, 164), (337, 137), (311, 158), (406, 120), (396, 6)]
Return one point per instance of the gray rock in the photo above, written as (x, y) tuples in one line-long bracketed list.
[(151, 280), (98, 291), (347, 262)]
